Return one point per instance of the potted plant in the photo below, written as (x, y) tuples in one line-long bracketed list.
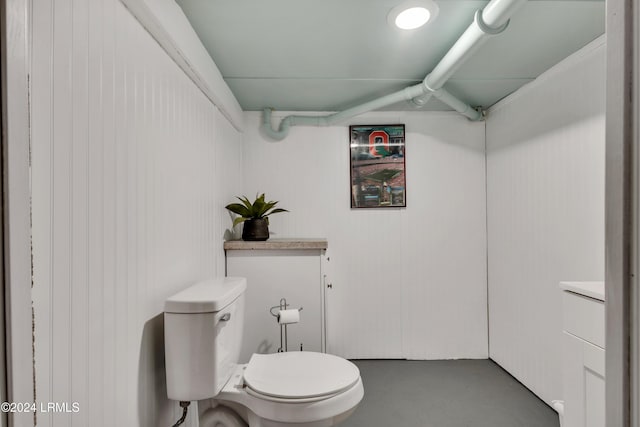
[(255, 216)]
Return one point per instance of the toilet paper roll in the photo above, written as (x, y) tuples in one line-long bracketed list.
[(288, 316)]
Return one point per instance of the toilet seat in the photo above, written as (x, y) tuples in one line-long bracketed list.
[(287, 400), (299, 376)]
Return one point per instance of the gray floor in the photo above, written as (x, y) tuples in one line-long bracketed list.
[(449, 393)]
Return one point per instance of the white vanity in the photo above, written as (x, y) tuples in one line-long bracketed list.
[(275, 269), (583, 354)]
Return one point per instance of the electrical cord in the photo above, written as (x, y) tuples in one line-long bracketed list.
[(185, 408)]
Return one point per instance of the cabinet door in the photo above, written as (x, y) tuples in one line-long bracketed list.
[(584, 383), (272, 275)]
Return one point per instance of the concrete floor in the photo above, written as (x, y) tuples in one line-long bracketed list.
[(448, 393)]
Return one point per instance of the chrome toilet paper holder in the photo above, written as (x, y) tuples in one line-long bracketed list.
[(283, 326)]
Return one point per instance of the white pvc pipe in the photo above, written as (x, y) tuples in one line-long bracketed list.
[(470, 41), (458, 105), (490, 21), (497, 13), (486, 23), (406, 94)]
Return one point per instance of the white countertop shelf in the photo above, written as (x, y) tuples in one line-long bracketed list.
[(278, 244)]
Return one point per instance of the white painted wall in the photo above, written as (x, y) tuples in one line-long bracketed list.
[(132, 166), (545, 180), (406, 282)]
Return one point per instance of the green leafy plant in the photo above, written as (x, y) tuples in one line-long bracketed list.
[(259, 209)]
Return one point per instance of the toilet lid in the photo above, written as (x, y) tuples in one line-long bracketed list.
[(299, 374)]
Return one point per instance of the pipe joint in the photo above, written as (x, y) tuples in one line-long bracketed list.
[(420, 101), (487, 29), (417, 95), (479, 115), (426, 87), (410, 92)]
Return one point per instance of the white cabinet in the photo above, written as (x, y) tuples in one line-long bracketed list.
[(275, 269), (583, 354)]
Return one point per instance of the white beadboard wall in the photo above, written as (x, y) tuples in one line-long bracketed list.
[(407, 283), (545, 186), (132, 166)]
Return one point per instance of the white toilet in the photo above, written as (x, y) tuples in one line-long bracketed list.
[(203, 333)]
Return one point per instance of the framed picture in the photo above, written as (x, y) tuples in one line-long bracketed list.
[(377, 166)]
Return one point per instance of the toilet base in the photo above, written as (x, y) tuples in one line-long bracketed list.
[(224, 416), (255, 421), (221, 416)]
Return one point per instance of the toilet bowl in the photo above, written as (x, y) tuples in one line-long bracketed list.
[(203, 326), (299, 388)]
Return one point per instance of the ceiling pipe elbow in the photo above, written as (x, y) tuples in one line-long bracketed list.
[(267, 126), (285, 124)]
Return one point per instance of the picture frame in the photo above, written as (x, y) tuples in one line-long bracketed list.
[(377, 166)]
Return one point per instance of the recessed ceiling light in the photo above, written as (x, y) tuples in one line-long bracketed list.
[(412, 18), (412, 14)]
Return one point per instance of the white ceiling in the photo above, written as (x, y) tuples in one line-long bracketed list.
[(328, 55)]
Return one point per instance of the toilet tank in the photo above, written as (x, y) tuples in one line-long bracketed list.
[(202, 337)]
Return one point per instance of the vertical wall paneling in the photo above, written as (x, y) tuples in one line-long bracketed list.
[(406, 283), (545, 189), (131, 168), (15, 25), (95, 400), (61, 219), (79, 218), (171, 29), (41, 134)]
